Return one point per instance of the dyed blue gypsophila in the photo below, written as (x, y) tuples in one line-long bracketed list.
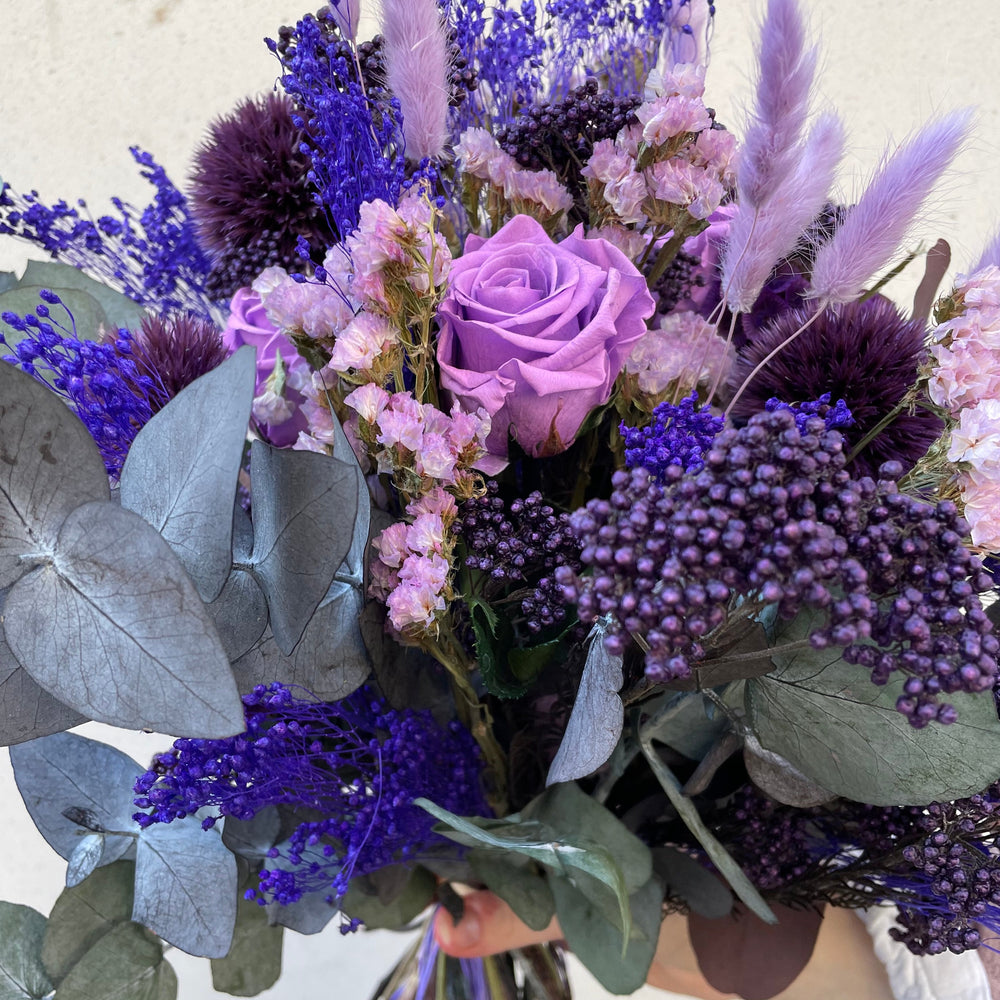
[(100, 380), (678, 435), (354, 142), (150, 255), (358, 762), (835, 417), (527, 52)]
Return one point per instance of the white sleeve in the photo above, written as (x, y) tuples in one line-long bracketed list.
[(934, 977)]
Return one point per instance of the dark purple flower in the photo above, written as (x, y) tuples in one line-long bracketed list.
[(174, 351), (251, 199), (864, 353)]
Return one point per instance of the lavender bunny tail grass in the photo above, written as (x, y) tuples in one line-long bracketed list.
[(870, 235)]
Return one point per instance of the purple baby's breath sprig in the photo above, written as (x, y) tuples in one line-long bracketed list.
[(356, 761), (111, 393), (152, 255), (678, 435)]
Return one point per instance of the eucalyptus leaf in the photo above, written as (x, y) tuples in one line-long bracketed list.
[(525, 890), (598, 943), (842, 732), (688, 812), (119, 309), (409, 903), (85, 858), (254, 960), (8, 279), (252, 838), (569, 811), (186, 886), (352, 570), (779, 779), (22, 974), (595, 724), (182, 469), (567, 856), (743, 955), (702, 890), (125, 964), (305, 506), (49, 465), (330, 660), (83, 914), (683, 721), (112, 626), (27, 711), (66, 773), (239, 613), (309, 914)]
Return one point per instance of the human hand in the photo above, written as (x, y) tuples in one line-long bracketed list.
[(843, 963)]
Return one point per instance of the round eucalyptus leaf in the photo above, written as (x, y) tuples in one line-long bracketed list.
[(49, 465), (113, 627), (73, 787), (828, 720), (22, 975), (182, 469)]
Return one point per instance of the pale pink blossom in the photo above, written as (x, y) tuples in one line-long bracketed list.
[(426, 534), (631, 243), (400, 427), (666, 117), (413, 604), (430, 571), (363, 339), (607, 163), (474, 150), (539, 186), (436, 501), (981, 496), (626, 195), (368, 401), (976, 439), (436, 458), (686, 79), (678, 182), (272, 408), (685, 349), (383, 580), (391, 544)]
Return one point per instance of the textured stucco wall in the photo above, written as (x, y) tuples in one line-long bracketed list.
[(81, 81)]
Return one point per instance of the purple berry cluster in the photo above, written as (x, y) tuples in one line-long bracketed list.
[(938, 864), (775, 517), (357, 761), (516, 545)]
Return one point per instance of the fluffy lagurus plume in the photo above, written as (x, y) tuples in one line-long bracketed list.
[(356, 761), (771, 146), (871, 234), (864, 353), (783, 178), (418, 73), (251, 198)]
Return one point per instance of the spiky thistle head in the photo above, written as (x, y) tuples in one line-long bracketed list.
[(174, 351), (250, 195), (865, 353)]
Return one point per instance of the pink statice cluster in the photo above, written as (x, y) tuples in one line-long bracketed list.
[(670, 164), (966, 382), (416, 443), (681, 354), (312, 309), (395, 252), (538, 193), (411, 573)]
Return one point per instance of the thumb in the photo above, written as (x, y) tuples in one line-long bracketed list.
[(488, 926)]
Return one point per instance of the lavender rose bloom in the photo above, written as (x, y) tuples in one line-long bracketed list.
[(248, 324), (536, 332)]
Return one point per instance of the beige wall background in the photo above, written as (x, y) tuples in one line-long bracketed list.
[(81, 80)]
